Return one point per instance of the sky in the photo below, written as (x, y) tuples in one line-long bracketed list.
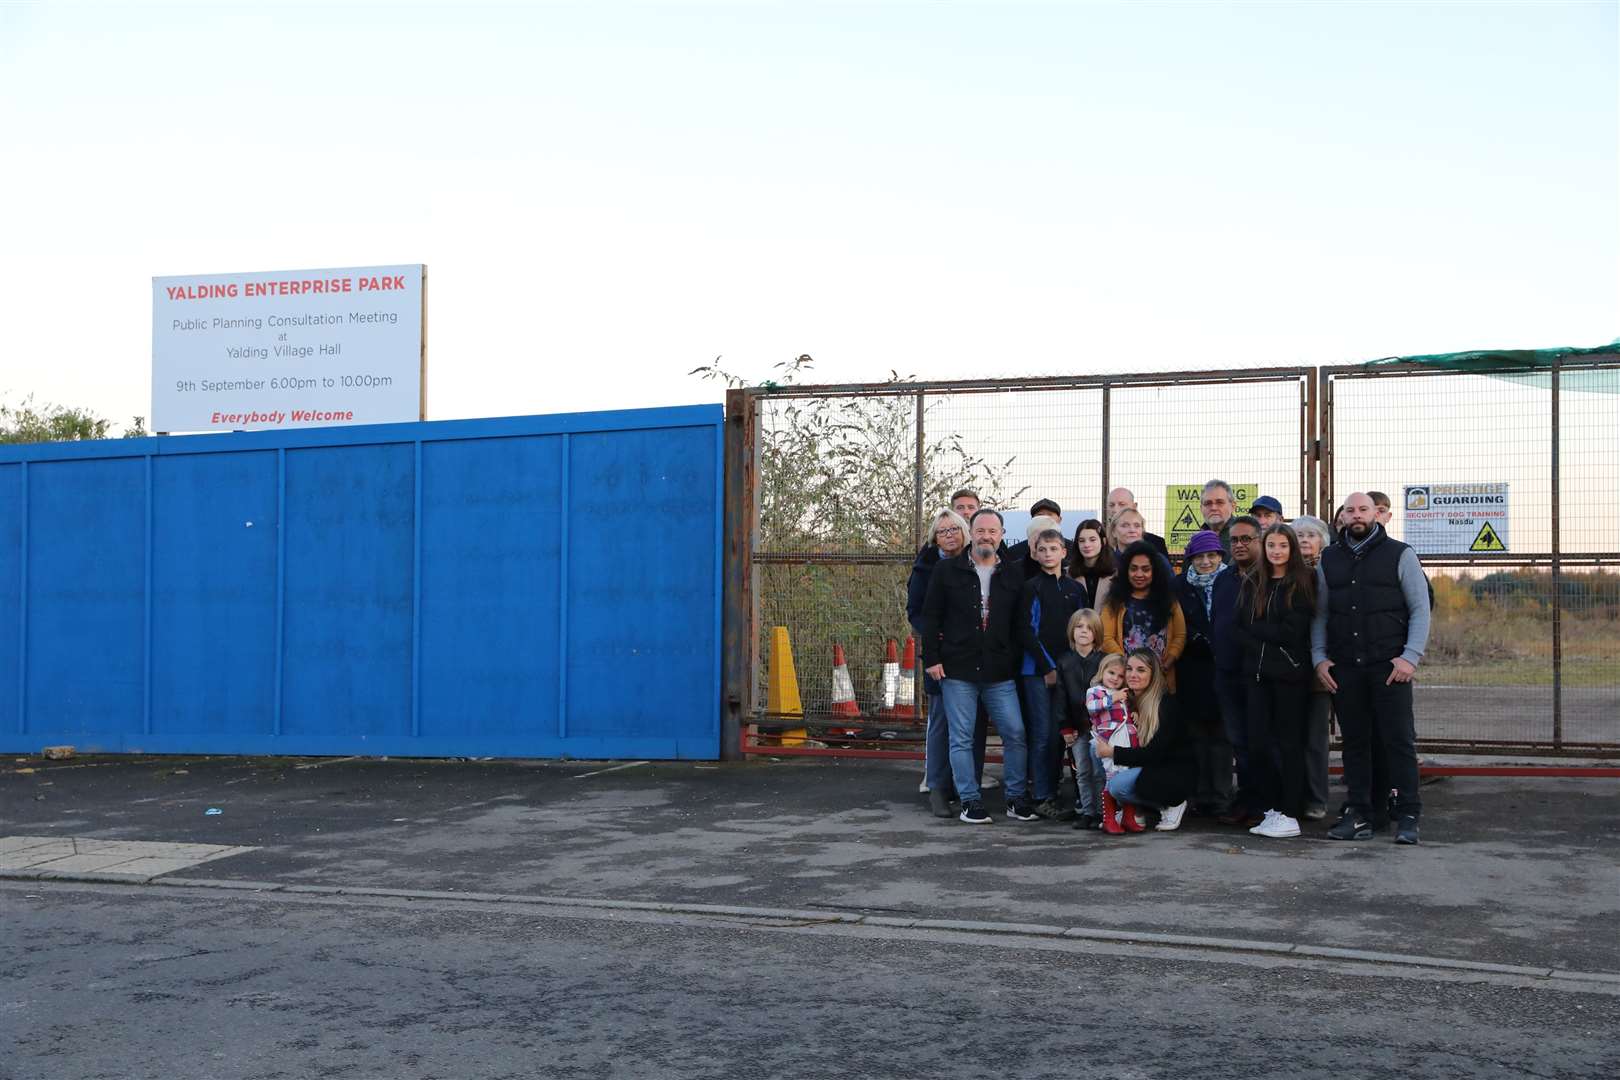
[(607, 196)]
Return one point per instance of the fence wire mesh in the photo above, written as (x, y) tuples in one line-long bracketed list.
[(849, 484), (1525, 646)]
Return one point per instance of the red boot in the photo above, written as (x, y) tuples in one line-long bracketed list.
[(1127, 818), (1110, 821)]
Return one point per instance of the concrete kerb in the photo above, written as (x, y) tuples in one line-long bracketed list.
[(101, 877), (792, 916)]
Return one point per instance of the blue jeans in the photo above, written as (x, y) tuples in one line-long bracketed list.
[(1041, 740), (1000, 699), (937, 747), (1089, 777), (1122, 786)]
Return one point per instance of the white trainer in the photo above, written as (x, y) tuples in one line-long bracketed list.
[(1170, 817), (1276, 825)]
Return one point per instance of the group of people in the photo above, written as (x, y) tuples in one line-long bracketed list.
[(1208, 690)]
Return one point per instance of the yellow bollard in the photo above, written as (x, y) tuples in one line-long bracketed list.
[(782, 692)]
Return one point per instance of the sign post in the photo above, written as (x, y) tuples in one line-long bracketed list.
[(299, 348)]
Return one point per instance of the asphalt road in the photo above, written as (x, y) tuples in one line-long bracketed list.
[(132, 982), (1511, 871)]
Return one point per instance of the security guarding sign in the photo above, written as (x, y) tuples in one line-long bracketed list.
[(1456, 519), (1184, 510), (296, 348)]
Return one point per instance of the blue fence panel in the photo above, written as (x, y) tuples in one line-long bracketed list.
[(214, 594), (11, 562), (526, 586), (86, 595), (491, 536)]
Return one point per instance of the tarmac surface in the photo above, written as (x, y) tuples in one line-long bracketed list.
[(107, 982), (1520, 872)]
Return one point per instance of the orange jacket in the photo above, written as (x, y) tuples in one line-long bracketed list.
[(1113, 624)]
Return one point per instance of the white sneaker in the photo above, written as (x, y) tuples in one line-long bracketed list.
[(1276, 825), (989, 783), (922, 787), (1170, 817)]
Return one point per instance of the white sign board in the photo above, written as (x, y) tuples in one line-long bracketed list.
[(1456, 519), (298, 348), (1017, 524)]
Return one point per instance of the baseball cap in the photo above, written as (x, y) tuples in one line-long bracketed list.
[(1266, 502)]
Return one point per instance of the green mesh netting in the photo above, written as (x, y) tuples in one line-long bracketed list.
[(1515, 361)]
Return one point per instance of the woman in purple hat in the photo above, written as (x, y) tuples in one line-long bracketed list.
[(1195, 674)]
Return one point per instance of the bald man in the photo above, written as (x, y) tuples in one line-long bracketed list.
[(1367, 639), (1120, 499)]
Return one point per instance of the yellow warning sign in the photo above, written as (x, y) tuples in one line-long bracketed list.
[(1487, 540), (1184, 511)]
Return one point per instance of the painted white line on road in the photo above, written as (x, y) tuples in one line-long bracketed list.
[(1118, 943), (616, 768), (328, 761)]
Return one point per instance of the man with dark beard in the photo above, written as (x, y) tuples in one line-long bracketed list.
[(1367, 639)]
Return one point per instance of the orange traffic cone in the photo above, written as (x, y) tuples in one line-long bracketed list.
[(891, 676), (905, 702), (843, 689)]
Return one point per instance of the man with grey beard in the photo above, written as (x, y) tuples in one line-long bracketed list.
[(970, 647)]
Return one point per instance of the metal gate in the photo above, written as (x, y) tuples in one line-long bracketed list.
[(830, 490), (1524, 653)]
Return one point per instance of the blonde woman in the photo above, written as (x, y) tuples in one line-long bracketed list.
[(1124, 529), (1161, 772), (947, 538)]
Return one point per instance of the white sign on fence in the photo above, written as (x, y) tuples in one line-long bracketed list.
[(297, 348), (1456, 519)]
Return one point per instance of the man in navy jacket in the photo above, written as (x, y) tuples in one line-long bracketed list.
[(1231, 689)]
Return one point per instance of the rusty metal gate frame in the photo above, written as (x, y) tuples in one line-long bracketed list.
[(743, 557), (1555, 559)]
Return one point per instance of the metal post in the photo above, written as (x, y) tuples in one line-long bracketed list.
[(1310, 447), (918, 696), (917, 478), (736, 617), (1557, 581), (1324, 448), (1107, 410)]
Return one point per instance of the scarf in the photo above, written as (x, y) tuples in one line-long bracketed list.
[(1205, 583)]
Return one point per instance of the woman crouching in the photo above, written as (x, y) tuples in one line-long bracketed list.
[(1162, 772)]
